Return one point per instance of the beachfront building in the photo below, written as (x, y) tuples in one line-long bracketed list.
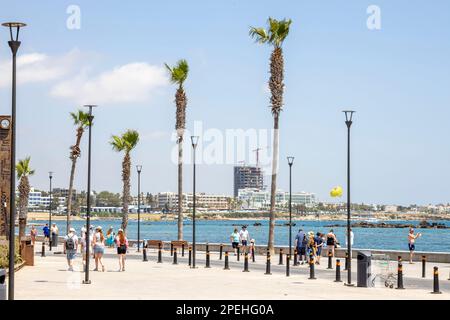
[(169, 201), (246, 177), (260, 199), (36, 199)]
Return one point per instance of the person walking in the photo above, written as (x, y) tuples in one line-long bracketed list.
[(244, 237), (300, 243), (319, 241), (311, 249), (110, 237), (33, 234), (99, 248), (54, 235), (122, 247), (331, 241), (234, 238), (46, 231), (412, 243), (70, 247), (351, 237)]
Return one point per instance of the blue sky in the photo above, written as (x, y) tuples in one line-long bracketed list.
[(397, 79)]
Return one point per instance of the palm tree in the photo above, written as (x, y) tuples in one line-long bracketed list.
[(126, 142), (81, 121), (178, 75), (23, 172), (275, 35)]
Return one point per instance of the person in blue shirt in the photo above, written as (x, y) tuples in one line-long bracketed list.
[(46, 230), (300, 242)]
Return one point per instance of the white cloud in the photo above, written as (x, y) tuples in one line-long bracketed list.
[(133, 82), (39, 67)]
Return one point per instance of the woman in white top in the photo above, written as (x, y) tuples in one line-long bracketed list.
[(98, 243)]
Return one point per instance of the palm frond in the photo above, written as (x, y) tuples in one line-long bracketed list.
[(23, 168), (259, 34), (178, 73), (117, 143)]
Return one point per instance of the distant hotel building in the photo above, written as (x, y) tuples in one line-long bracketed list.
[(259, 199), (246, 177), (203, 200)]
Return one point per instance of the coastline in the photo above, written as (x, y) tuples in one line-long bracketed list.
[(39, 216)]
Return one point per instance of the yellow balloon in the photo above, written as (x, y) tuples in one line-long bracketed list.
[(336, 192)]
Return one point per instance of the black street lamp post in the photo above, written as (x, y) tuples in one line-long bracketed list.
[(194, 140), (88, 209), (139, 169), (50, 177), (290, 162), (348, 122), (14, 44)]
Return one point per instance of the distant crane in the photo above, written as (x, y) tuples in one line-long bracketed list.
[(257, 150)]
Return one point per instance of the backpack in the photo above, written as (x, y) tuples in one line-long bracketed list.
[(304, 241), (70, 243)]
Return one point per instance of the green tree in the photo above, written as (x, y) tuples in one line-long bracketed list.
[(23, 172), (125, 143), (81, 121), (274, 36), (178, 74)]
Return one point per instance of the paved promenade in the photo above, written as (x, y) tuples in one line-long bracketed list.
[(48, 279)]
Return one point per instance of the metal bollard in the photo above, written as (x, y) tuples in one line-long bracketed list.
[(207, 260), (207, 247), (190, 256), (424, 262), (220, 251), (238, 253), (175, 260), (253, 254), (295, 257), (43, 250), (159, 253), (280, 263), (346, 261), (330, 260), (245, 263), (311, 268), (182, 249), (227, 266), (288, 263), (400, 275), (171, 249), (268, 263), (436, 281), (338, 271)]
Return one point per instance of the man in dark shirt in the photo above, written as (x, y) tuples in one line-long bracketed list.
[(46, 230), (300, 242)]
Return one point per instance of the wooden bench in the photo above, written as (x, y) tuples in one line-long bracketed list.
[(178, 244), (155, 244)]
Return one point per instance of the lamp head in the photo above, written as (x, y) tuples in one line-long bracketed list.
[(50, 174), (290, 160), (194, 140), (348, 117), (139, 168), (16, 26)]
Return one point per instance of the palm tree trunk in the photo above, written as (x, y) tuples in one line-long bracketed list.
[(180, 188), (69, 195), (24, 189), (75, 153), (273, 187), (126, 167)]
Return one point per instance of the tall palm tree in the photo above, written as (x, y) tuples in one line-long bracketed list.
[(275, 35), (81, 121), (178, 75), (126, 142), (23, 172)]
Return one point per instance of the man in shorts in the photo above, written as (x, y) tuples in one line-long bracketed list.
[(300, 242), (412, 243), (70, 247), (244, 236)]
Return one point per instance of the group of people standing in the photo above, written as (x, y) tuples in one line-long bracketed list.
[(310, 245), (97, 243)]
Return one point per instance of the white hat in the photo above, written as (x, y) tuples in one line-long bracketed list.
[(98, 228), (71, 230)]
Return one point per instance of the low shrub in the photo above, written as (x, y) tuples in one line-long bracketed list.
[(4, 261)]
